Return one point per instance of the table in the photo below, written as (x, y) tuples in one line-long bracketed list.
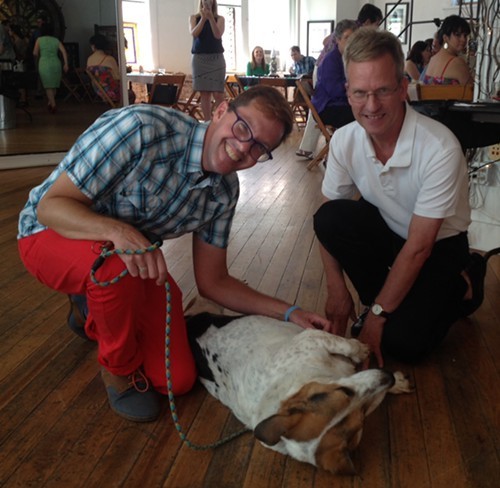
[(268, 80), (475, 124), (145, 78)]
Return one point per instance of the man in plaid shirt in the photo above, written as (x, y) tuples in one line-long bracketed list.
[(302, 65), (144, 170)]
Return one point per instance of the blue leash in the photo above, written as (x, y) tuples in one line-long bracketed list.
[(106, 253)]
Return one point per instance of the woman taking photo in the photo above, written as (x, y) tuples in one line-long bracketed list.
[(208, 64)]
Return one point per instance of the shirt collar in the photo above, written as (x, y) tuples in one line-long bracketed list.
[(193, 158)]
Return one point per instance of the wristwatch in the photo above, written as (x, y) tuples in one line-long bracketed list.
[(379, 311)]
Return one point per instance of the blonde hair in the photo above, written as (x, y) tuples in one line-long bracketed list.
[(368, 44)]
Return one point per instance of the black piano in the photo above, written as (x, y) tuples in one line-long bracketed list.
[(474, 124)]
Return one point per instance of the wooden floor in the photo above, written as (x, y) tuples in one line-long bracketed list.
[(38, 131), (56, 429)]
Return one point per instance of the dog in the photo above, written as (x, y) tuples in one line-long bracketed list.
[(297, 389)]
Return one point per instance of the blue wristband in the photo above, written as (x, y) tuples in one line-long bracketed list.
[(289, 312)]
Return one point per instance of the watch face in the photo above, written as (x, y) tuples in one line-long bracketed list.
[(377, 309)]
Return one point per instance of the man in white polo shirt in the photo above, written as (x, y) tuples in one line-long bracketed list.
[(403, 244)]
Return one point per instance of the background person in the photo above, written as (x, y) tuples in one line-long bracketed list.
[(330, 98), (368, 16), (104, 67), (148, 168), (46, 50), (447, 67), (7, 53), (417, 59), (257, 66), (208, 63), (302, 65), (403, 244)]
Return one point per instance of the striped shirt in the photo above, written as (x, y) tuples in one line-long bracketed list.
[(142, 165)]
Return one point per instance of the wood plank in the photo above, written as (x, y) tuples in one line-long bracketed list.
[(56, 428)]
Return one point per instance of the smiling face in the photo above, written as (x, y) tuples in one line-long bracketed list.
[(456, 42), (258, 54), (223, 153), (381, 117)]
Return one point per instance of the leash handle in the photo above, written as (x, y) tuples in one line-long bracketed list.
[(156, 243)]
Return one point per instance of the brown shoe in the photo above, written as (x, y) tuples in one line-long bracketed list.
[(131, 396), (77, 315)]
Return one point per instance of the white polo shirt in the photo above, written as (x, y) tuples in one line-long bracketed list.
[(426, 175)]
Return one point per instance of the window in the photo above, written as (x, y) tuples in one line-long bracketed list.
[(232, 38)]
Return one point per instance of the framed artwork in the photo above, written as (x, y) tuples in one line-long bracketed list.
[(317, 30), (396, 19), (130, 33)]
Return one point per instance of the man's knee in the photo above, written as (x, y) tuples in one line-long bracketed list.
[(326, 220)]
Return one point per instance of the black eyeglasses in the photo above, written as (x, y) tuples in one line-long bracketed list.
[(258, 152)]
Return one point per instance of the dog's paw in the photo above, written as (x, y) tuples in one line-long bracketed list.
[(361, 351), (401, 384)]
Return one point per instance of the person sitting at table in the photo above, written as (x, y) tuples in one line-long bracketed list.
[(258, 65), (302, 65), (104, 67), (368, 16), (447, 67), (330, 98), (417, 59)]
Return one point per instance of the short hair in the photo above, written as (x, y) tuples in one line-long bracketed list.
[(270, 102), (453, 24), (369, 12), (344, 25), (368, 44), (99, 41), (295, 48)]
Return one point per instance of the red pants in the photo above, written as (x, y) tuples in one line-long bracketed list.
[(127, 319)]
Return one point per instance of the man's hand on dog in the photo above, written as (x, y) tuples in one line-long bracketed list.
[(310, 320)]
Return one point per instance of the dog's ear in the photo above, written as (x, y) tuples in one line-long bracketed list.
[(270, 430), (335, 456)]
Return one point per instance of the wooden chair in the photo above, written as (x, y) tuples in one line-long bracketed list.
[(232, 86), (304, 86), (191, 105), (445, 92), (88, 91), (241, 86), (72, 84), (166, 90), (299, 107), (101, 91)]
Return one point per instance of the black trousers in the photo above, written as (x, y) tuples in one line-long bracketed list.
[(355, 234)]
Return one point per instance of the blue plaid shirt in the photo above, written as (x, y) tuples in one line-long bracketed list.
[(305, 66), (142, 165)]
